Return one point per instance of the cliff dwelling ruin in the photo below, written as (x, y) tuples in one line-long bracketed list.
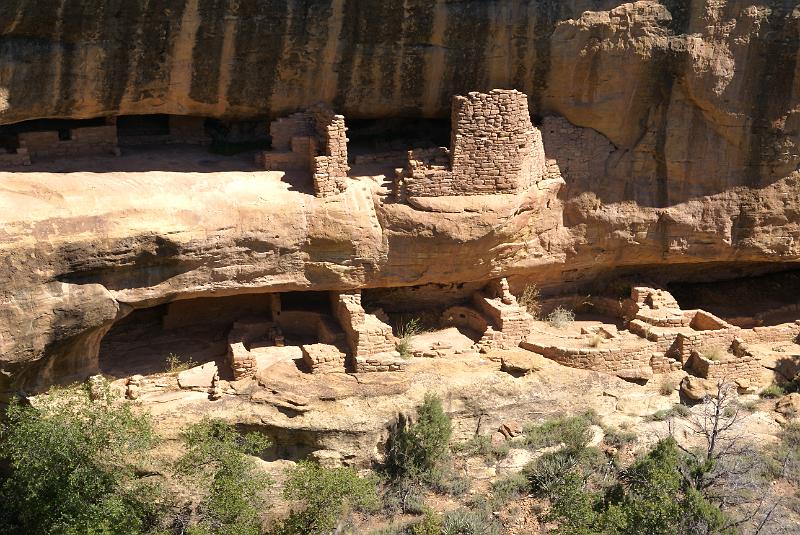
[(496, 156), (304, 221)]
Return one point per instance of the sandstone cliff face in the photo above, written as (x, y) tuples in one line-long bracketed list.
[(695, 95), (676, 125)]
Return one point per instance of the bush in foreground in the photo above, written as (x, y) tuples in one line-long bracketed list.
[(75, 462), (417, 450), (327, 495), (219, 457)]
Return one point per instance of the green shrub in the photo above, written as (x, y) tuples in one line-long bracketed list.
[(404, 496), (572, 431), (419, 450), (431, 524), (714, 353), (74, 461), (481, 446), (466, 522), (651, 497), (447, 481), (218, 456), (407, 329), (509, 488), (561, 318), (176, 364), (678, 410), (618, 438), (327, 495), (548, 472), (772, 391), (681, 410)]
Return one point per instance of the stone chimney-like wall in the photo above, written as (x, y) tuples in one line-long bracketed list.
[(494, 149), (314, 140)]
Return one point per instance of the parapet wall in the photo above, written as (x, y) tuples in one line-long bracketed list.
[(494, 149)]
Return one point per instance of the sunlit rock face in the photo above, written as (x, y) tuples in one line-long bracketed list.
[(675, 125)]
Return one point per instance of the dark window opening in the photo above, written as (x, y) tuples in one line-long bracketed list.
[(9, 142), (310, 301), (389, 135), (142, 125), (64, 134)]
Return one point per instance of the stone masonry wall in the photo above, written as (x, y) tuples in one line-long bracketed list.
[(323, 358), (367, 335), (331, 168), (83, 141), (315, 141), (20, 157), (494, 149), (740, 364), (509, 322), (626, 362), (773, 334)]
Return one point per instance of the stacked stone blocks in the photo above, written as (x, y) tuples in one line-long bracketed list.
[(371, 341), (83, 141), (314, 141), (323, 358), (494, 149)]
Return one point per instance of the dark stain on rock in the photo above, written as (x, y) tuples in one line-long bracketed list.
[(349, 35), (772, 54), (207, 51), (119, 20), (162, 24), (681, 11), (467, 38), (417, 35), (260, 36), (547, 13)]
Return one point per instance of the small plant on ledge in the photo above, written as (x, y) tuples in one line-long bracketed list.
[(405, 331), (561, 318), (531, 300), (176, 365)]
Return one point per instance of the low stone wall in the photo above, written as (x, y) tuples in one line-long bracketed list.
[(699, 341), (777, 333), (366, 334), (83, 141), (512, 320), (242, 334), (465, 317), (740, 364), (661, 363), (323, 358), (300, 156), (309, 323), (12, 159), (396, 158), (383, 362), (625, 362)]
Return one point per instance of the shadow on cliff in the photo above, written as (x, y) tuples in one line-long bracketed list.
[(149, 158)]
